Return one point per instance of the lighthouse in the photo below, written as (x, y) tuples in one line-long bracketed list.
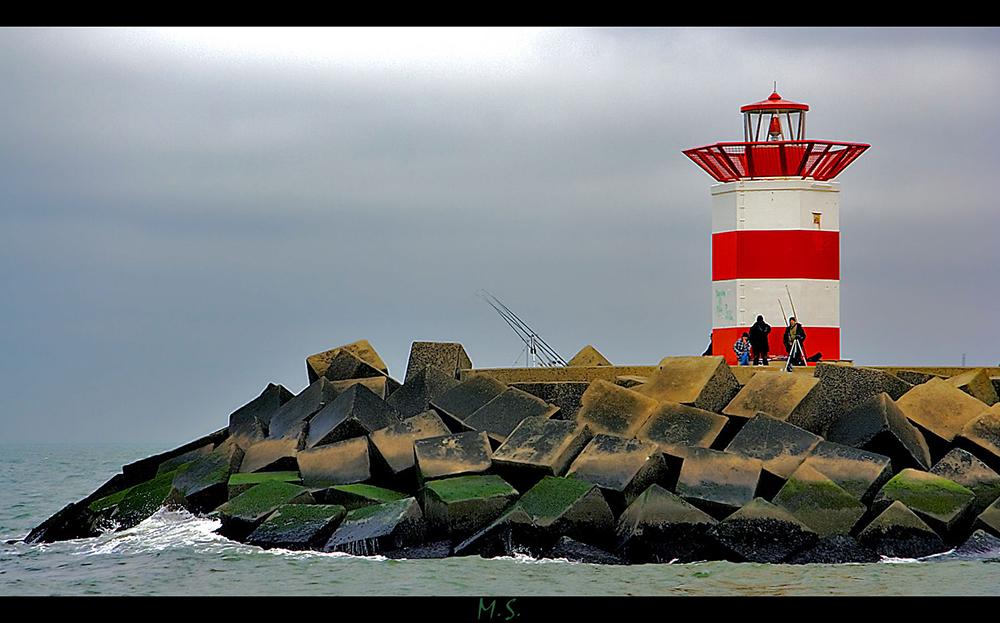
[(776, 229)]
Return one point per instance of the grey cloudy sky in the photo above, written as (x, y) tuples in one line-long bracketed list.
[(187, 214)]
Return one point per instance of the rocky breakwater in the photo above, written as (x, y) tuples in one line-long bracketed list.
[(687, 460)]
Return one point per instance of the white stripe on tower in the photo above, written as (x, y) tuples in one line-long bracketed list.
[(772, 238)]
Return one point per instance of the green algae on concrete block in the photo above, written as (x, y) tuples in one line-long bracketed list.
[(938, 501), (660, 527), (241, 482), (859, 472), (703, 382), (818, 502), (340, 463), (963, 468), (358, 495), (241, 515), (128, 508), (608, 408), (373, 530), (297, 526), (763, 533), (898, 532), (460, 506), (570, 507), (204, 483)]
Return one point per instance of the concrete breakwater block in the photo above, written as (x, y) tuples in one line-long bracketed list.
[(859, 472), (674, 428), (841, 388), (357, 495), (567, 395), (717, 482), (981, 437), (317, 365), (499, 417), (464, 399), (271, 455), (703, 382), (129, 507), (205, 482), (622, 468), (342, 463), (977, 384), (939, 502), (819, 503), (963, 468), (297, 526), (449, 357), (461, 506), (393, 445), (660, 527), (588, 356), (569, 507), (287, 422), (354, 413), (241, 515), (941, 410), (539, 447), (879, 426), (763, 533), (899, 533), (374, 530), (451, 455), (249, 423), (792, 398), (608, 408), (241, 483), (780, 446), (835, 549), (511, 534), (419, 390)]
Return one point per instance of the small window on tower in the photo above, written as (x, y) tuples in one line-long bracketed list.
[(816, 216)]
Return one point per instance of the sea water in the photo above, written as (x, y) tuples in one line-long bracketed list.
[(177, 554)]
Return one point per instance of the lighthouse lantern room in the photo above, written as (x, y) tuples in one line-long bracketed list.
[(776, 229)]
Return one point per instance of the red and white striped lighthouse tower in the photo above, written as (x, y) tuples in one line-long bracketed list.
[(776, 229)]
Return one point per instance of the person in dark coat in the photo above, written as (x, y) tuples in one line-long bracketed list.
[(795, 332), (758, 340)]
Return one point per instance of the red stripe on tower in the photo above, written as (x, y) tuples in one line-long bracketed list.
[(776, 229)]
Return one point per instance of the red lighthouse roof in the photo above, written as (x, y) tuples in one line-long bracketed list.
[(775, 104), (784, 150)]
